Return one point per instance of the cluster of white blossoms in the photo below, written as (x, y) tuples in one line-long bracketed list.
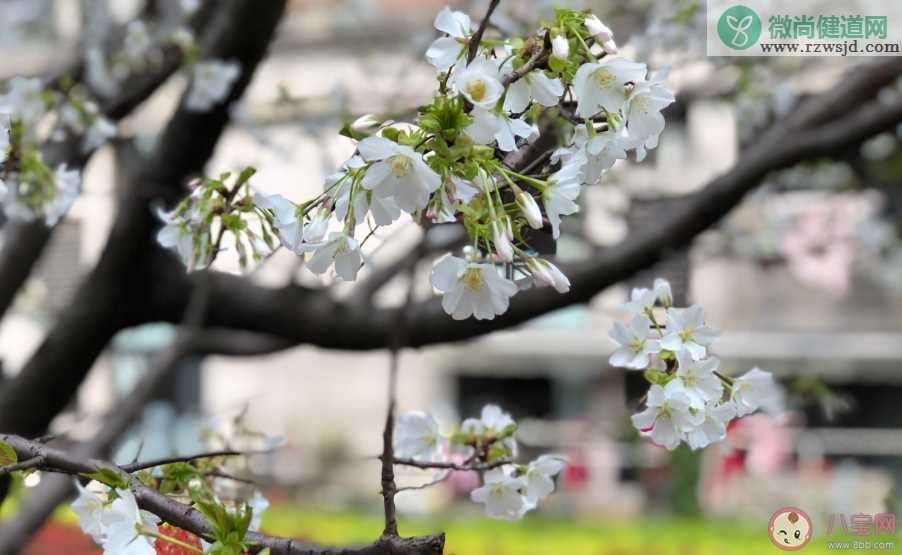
[(111, 516), (29, 188), (509, 490), (448, 166), (34, 112), (689, 400)]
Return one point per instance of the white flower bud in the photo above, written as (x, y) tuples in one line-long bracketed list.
[(503, 247), (560, 47), (529, 208), (663, 292), (364, 123), (602, 34)]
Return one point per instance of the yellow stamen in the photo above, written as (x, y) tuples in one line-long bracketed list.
[(477, 90), (472, 278), (400, 165), (604, 78)]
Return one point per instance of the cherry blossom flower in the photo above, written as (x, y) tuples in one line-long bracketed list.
[(602, 33), (667, 414), (501, 495), (177, 234), (753, 390), (88, 508), (417, 437), (603, 85), (539, 477), (535, 85), (698, 379), (121, 522), (444, 51), (643, 113), (713, 428), (641, 301), (210, 84), (686, 330), (399, 173), (488, 126), (479, 82), (560, 196), (472, 289), (635, 347), (340, 251), (594, 156)]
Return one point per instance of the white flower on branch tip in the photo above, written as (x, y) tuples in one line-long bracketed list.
[(635, 346), (88, 508), (399, 172), (121, 522), (501, 495), (417, 437), (479, 82), (177, 234), (560, 47), (641, 301), (341, 251), (663, 292), (444, 51), (24, 100), (644, 121), (384, 209), (560, 196), (532, 86), (210, 84), (713, 428), (753, 390), (594, 155), (603, 85), (602, 34), (539, 476), (472, 289), (495, 420), (667, 415), (365, 123), (698, 377), (488, 126), (686, 330)]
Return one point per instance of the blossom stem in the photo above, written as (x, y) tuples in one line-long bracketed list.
[(537, 183), (585, 46), (725, 379)]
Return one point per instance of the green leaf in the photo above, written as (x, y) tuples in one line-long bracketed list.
[(109, 477), (7, 454)]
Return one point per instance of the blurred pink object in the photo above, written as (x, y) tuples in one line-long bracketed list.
[(820, 246)]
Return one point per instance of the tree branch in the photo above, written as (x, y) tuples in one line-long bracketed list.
[(187, 518), (480, 31)]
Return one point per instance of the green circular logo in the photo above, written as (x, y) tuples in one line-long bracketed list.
[(739, 27)]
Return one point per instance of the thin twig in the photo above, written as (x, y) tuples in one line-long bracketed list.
[(27, 464), (135, 467), (457, 467), (477, 36)]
